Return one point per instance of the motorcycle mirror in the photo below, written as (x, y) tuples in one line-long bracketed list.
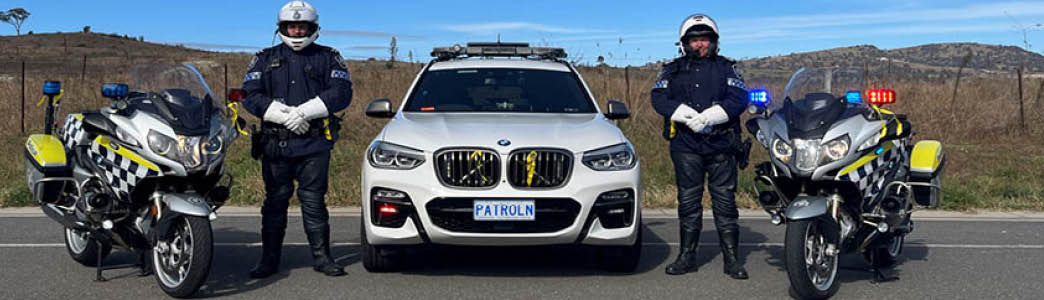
[(236, 95)]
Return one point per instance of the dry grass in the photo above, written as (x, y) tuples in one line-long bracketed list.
[(993, 163)]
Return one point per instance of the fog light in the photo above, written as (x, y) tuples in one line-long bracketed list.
[(615, 209), (390, 208)]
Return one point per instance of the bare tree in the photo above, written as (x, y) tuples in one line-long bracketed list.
[(15, 17)]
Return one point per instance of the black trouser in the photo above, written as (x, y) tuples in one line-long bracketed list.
[(312, 175), (719, 170)]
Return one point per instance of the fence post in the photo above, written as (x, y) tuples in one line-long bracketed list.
[(226, 83), (627, 82), (1022, 113), (83, 72), (23, 96)]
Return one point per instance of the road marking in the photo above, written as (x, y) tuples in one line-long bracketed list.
[(749, 245)]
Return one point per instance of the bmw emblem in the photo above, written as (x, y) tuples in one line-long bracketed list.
[(504, 142)]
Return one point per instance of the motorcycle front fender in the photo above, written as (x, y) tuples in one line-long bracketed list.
[(187, 203), (806, 207)]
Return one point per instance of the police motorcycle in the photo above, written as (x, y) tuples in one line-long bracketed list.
[(144, 174), (843, 174)]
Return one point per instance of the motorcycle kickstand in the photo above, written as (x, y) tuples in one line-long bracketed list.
[(879, 276), (98, 264)]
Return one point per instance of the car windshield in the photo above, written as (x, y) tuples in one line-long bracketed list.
[(500, 90)]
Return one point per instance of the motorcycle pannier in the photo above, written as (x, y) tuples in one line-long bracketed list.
[(45, 161), (926, 163)]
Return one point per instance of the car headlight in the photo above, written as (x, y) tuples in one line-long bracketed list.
[(836, 149), (782, 150), (612, 158), (385, 155), (183, 149)]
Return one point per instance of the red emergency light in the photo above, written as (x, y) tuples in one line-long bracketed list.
[(880, 96)]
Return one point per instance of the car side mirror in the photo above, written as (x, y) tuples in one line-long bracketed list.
[(617, 110), (379, 108)]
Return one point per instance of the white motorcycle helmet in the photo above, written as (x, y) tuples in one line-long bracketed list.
[(298, 11), (697, 25)]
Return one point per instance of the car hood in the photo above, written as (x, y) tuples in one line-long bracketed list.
[(433, 131)]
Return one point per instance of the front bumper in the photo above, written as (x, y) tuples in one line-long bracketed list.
[(422, 187)]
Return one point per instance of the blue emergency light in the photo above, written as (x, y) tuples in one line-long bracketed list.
[(759, 97), (854, 97), (52, 88), (114, 90)]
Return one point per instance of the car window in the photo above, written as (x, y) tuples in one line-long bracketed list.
[(499, 90)]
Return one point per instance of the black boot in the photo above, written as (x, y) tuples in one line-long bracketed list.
[(319, 241), (686, 261), (271, 252), (730, 251)]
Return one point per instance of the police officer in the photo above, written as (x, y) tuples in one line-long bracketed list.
[(701, 96), (295, 87)]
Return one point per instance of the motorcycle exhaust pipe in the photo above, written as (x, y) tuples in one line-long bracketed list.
[(63, 216), (893, 209)]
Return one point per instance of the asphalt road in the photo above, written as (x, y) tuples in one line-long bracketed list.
[(997, 259)]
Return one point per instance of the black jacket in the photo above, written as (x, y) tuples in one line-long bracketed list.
[(700, 83), (294, 77)]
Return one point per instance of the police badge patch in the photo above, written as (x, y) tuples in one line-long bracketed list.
[(253, 62), (737, 83), (735, 69)]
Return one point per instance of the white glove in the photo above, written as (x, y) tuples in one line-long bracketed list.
[(313, 109), (715, 115), (277, 113), (683, 114), (297, 122), (697, 123)]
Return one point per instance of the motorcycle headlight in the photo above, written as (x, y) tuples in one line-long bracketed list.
[(612, 158), (183, 149), (836, 149), (214, 145), (808, 154), (782, 150), (384, 155), (159, 143)]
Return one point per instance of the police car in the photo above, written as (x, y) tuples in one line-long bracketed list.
[(500, 144)]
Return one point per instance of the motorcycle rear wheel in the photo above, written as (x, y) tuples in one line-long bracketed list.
[(84, 249)]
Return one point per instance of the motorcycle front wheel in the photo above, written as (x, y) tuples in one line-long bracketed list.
[(181, 262), (811, 261)]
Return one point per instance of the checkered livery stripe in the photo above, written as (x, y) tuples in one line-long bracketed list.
[(72, 131), (870, 177), (121, 172)]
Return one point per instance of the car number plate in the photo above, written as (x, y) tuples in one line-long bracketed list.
[(504, 210)]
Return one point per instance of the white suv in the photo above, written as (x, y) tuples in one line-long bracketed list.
[(500, 144)]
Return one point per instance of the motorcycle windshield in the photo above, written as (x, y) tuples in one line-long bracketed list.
[(176, 92), (816, 97)]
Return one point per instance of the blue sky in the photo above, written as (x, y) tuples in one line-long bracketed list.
[(624, 32)]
